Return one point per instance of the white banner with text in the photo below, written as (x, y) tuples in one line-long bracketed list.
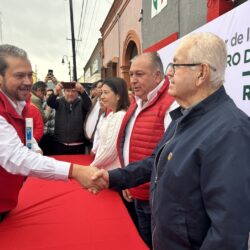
[(157, 6), (234, 28)]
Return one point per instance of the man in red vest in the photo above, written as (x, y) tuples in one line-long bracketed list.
[(199, 172), (142, 128), (16, 160)]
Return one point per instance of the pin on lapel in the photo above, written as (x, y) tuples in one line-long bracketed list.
[(170, 156)]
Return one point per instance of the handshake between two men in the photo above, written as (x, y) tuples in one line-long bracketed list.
[(91, 178)]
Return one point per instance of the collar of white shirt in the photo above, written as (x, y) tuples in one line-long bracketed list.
[(18, 106), (150, 96)]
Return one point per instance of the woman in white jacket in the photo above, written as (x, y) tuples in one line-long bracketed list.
[(115, 98)]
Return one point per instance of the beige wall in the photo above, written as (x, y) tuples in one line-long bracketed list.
[(127, 21), (111, 45)]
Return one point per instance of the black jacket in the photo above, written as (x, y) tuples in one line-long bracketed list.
[(200, 178), (69, 117)]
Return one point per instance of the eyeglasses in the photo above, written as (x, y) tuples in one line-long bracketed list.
[(171, 66)]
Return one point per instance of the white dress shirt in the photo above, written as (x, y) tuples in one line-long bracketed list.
[(16, 158), (92, 120), (96, 140), (140, 106)]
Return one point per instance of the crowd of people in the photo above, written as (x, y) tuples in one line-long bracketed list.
[(176, 150)]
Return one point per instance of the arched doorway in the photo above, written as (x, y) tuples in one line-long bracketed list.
[(131, 48)]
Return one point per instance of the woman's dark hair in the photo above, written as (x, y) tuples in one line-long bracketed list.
[(119, 87)]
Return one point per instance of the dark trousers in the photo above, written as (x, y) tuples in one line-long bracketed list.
[(131, 210), (143, 212), (140, 213), (46, 144), (61, 149)]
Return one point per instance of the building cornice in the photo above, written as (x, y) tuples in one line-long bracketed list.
[(113, 16)]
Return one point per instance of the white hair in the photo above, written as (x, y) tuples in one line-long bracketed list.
[(210, 49)]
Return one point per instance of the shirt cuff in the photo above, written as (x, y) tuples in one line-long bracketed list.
[(115, 178), (71, 170)]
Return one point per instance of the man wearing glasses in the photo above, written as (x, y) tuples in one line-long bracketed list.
[(200, 171)]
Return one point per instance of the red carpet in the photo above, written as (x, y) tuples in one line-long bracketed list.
[(55, 215)]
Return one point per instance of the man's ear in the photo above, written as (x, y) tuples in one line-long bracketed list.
[(158, 76), (203, 75), (199, 75)]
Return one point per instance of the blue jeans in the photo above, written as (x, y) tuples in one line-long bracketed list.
[(143, 212)]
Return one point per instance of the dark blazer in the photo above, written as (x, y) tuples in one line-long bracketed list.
[(200, 178)]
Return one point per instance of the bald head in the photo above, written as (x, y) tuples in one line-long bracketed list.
[(154, 59)]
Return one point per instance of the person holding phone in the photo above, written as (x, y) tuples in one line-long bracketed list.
[(50, 79), (71, 109)]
